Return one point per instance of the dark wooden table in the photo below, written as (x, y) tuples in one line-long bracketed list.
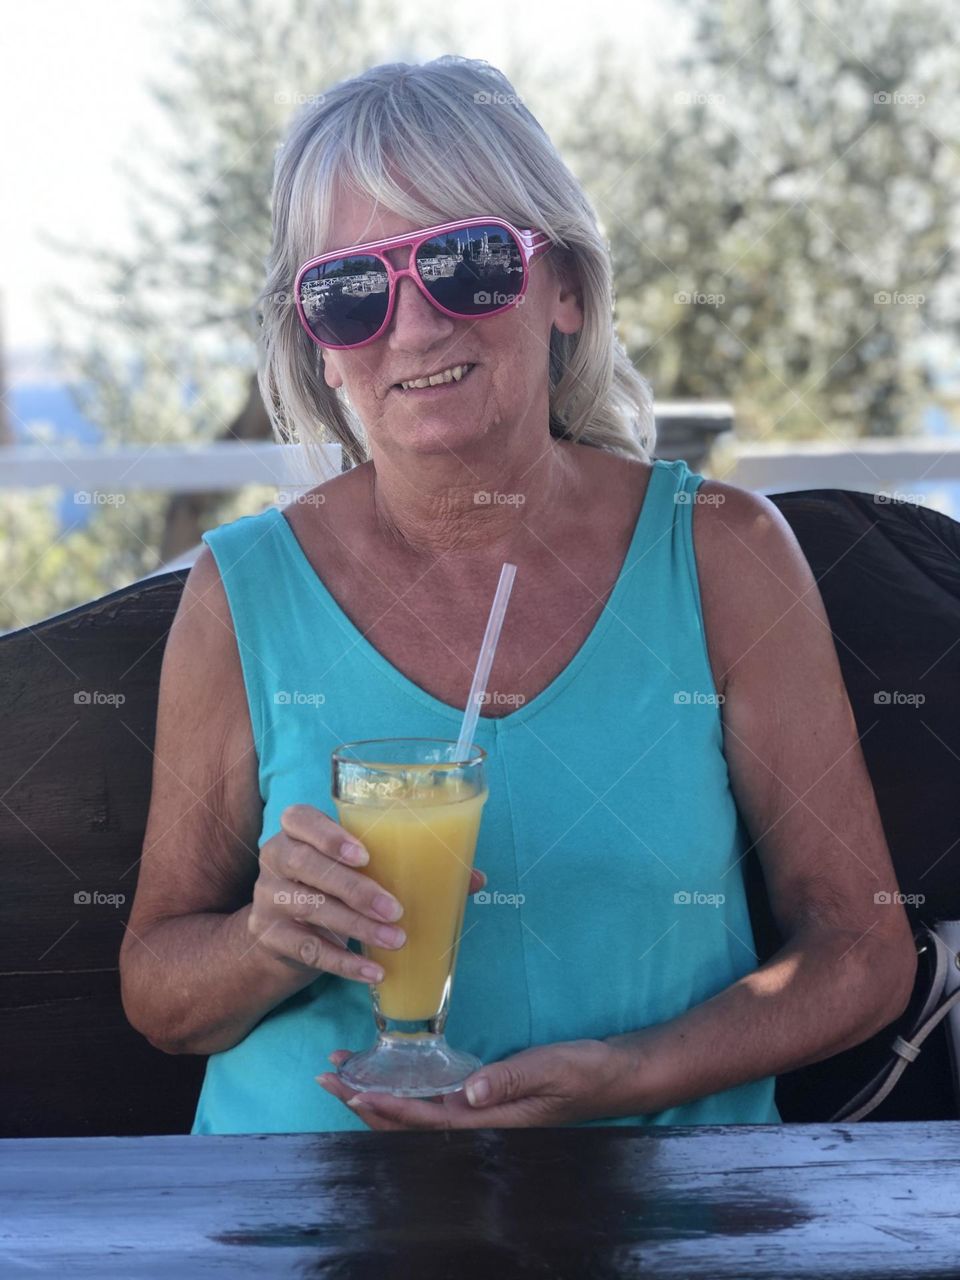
[(870, 1200)]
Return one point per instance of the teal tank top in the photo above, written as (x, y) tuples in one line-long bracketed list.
[(611, 839)]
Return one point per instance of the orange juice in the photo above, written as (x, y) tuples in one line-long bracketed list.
[(421, 842)]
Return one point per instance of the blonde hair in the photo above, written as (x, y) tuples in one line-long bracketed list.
[(414, 119)]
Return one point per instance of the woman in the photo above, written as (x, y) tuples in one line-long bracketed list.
[(666, 692)]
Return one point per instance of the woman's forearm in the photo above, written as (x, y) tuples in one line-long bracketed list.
[(821, 993), (200, 983)]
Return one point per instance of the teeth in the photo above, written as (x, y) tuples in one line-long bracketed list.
[(447, 375)]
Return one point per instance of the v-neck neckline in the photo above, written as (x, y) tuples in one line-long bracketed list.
[(447, 710)]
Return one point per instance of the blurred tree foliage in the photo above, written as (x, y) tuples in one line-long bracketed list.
[(798, 167), (795, 163)]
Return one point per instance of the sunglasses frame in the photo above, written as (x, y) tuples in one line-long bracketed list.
[(531, 243)]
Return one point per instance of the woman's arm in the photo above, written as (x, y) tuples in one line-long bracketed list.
[(848, 965), (192, 978)]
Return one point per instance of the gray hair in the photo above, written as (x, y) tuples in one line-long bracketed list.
[(414, 118)]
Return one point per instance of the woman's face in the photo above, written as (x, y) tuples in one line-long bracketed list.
[(505, 394)]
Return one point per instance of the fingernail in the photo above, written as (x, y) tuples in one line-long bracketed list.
[(358, 1101), (389, 936), (371, 971), (355, 853), (387, 907), (478, 1091)]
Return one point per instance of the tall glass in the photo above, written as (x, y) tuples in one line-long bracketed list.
[(418, 816)]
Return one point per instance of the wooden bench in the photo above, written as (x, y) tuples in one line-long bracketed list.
[(75, 776)]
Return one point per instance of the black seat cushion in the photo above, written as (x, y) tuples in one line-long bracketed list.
[(889, 574)]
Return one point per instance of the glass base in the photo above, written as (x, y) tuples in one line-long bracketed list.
[(409, 1066)]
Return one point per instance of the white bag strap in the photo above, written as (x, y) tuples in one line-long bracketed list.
[(907, 1050)]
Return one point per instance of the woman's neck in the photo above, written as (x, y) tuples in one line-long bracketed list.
[(479, 508)]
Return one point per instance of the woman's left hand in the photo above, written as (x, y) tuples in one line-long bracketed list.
[(553, 1084)]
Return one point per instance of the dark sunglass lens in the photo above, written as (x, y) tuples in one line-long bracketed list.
[(472, 271), (345, 300)]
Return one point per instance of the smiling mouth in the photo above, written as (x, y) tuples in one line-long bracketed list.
[(451, 376)]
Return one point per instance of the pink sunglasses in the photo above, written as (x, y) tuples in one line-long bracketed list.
[(469, 269)]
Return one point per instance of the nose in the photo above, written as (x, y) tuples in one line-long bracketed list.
[(416, 323)]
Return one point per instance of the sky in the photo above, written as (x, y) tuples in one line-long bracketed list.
[(74, 101)]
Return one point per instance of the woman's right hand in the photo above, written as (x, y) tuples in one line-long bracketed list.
[(311, 896)]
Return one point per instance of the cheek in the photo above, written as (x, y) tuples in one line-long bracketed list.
[(511, 350), (519, 356), (359, 385)]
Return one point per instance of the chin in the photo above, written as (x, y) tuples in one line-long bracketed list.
[(428, 436)]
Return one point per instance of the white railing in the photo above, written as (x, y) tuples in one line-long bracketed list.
[(868, 464), (902, 461), (222, 465)]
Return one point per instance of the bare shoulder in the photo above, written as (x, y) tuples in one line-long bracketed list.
[(200, 839), (203, 603), (730, 521), (202, 679), (756, 586)]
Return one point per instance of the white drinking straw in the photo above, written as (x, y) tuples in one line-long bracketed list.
[(485, 660)]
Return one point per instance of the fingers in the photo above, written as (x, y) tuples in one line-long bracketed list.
[(385, 1112), (308, 948), (333, 914), (313, 894), (308, 824), (319, 852), (292, 859)]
